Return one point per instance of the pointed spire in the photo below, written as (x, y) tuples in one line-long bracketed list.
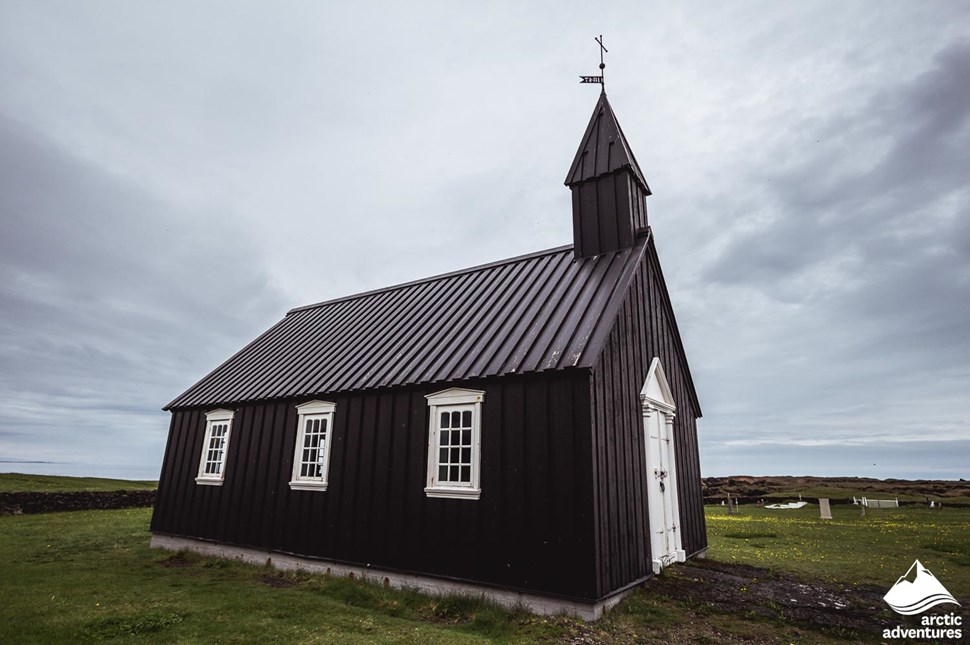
[(608, 187), (604, 149)]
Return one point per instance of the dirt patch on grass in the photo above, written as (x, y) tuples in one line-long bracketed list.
[(748, 590), (279, 582), (177, 561)]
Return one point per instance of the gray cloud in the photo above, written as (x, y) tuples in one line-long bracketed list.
[(170, 186), (882, 250), (844, 296), (111, 299), (821, 210)]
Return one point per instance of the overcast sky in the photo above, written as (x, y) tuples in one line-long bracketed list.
[(175, 176)]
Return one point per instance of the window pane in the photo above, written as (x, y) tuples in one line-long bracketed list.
[(456, 419), (214, 448), (443, 456), (444, 437), (443, 473), (466, 437), (453, 474), (313, 449), (455, 455), (466, 455), (466, 419), (466, 474), (444, 420)]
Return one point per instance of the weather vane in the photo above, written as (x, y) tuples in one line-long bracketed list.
[(601, 78)]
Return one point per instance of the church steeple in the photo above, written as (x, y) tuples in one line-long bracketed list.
[(609, 191)]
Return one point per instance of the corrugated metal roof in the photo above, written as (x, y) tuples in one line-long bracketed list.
[(604, 149), (543, 311)]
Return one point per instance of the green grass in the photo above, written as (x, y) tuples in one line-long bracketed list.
[(18, 482), (850, 548), (90, 577)]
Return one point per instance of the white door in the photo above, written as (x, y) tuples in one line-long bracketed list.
[(662, 499)]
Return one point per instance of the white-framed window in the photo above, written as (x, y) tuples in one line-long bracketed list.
[(215, 447), (455, 444), (311, 459)]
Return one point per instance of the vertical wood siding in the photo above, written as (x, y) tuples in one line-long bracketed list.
[(532, 529), (638, 205), (645, 328), (607, 212)]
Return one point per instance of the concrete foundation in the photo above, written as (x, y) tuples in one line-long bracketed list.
[(538, 604)]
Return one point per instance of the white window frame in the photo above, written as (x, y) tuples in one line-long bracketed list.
[(450, 400), (213, 419), (307, 411)]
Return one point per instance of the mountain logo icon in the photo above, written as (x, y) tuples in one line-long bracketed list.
[(925, 591)]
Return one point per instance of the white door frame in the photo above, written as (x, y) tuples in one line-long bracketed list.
[(663, 503)]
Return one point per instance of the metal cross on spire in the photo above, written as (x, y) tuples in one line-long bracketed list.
[(601, 79)]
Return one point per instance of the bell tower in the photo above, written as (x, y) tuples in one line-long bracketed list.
[(609, 191)]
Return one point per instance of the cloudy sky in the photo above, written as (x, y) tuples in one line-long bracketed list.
[(175, 176)]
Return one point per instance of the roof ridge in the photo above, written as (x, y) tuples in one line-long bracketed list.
[(441, 276)]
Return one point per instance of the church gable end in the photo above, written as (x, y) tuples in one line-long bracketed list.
[(644, 329)]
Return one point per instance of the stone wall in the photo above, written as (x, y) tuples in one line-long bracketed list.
[(36, 502)]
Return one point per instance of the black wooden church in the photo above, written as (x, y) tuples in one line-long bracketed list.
[(523, 429)]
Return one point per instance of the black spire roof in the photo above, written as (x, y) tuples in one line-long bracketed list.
[(604, 149)]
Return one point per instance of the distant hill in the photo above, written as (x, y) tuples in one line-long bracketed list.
[(20, 483), (911, 490)]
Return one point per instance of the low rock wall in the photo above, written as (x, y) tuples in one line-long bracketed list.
[(37, 502)]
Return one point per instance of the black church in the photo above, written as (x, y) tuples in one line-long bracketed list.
[(524, 429)]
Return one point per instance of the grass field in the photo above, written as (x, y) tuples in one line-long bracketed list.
[(17, 482), (850, 548), (90, 577)]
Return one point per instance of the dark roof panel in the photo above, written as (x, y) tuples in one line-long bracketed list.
[(543, 311), (604, 149)]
